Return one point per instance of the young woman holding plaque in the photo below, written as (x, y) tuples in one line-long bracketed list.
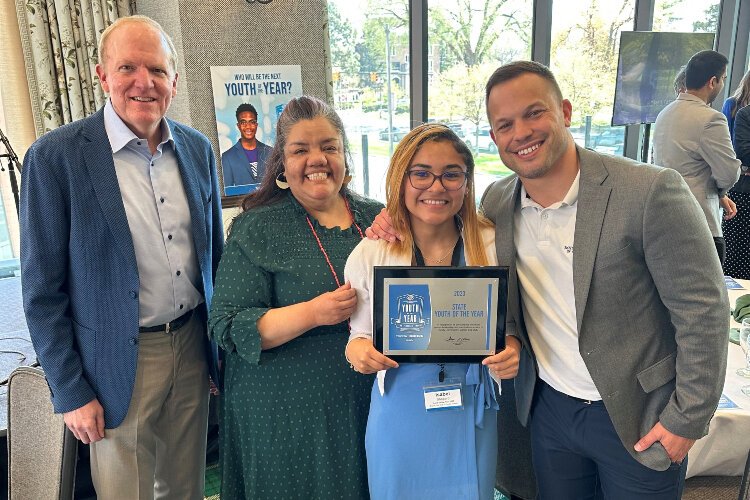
[(413, 452)]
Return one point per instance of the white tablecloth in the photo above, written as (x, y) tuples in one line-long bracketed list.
[(723, 451)]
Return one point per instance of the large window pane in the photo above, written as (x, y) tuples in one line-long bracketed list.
[(701, 16), (370, 60), (468, 40), (585, 44)]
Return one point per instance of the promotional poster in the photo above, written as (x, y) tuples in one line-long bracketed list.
[(248, 101)]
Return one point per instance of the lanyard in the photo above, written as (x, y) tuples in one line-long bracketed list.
[(320, 244)]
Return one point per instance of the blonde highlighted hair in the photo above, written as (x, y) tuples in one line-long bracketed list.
[(394, 191)]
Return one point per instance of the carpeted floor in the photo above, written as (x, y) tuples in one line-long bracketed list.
[(213, 484), (696, 488), (712, 488)]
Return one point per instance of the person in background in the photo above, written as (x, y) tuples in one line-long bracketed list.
[(413, 453), (679, 88), (679, 81), (294, 414), (245, 162), (737, 229), (739, 100), (122, 234), (692, 138)]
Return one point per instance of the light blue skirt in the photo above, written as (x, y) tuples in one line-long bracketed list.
[(448, 454)]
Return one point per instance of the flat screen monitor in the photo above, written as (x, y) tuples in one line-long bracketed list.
[(647, 66)]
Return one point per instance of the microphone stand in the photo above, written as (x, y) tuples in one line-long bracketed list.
[(13, 164)]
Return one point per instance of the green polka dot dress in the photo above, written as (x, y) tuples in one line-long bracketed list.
[(293, 417)]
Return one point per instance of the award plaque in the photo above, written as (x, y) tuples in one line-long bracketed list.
[(439, 314)]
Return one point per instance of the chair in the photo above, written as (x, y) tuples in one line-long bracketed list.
[(745, 484), (42, 452)]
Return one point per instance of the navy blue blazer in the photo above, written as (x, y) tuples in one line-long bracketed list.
[(79, 272), (235, 168)]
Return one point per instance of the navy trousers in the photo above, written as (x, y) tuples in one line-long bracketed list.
[(577, 454)]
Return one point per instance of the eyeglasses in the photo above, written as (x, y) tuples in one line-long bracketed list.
[(452, 180), (247, 122)]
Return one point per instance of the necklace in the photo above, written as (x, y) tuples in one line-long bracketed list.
[(320, 244), (421, 260), (440, 261)]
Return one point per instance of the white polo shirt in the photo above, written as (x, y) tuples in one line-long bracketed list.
[(544, 259)]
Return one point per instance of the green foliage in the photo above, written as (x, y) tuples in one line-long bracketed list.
[(341, 33), (711, 21), (458, 93), (455, 29), (585, 59)]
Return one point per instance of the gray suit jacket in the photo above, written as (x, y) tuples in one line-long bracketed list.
[(651, 305), (693, 138)]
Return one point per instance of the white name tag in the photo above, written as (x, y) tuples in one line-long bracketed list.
[(443, 397)]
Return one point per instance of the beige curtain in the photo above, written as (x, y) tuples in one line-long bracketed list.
[(59, 40)]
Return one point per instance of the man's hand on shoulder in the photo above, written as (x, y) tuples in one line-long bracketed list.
[(381, 228), (87, 422), (677, 446)]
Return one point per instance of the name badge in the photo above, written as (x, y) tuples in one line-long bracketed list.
[(441, 397)]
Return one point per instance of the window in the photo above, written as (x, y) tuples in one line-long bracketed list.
[(585, 45), (467, 41), (701, 17), (370, 63)]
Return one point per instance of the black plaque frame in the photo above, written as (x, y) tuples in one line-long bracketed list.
[(383, 272)]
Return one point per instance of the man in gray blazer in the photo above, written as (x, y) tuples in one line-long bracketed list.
[(616, 294), (693, 138)]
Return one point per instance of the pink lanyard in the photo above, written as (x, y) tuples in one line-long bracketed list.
[(320, 244)]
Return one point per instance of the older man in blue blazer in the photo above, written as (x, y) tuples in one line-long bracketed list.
[(122, 234)]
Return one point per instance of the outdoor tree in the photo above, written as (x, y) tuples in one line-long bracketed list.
[(459, 95), (665, 14), (341, 34), (710, 20), (469, 31), (585, 59), (390, 15)]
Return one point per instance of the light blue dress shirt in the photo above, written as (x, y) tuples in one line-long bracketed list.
[(159, 219)]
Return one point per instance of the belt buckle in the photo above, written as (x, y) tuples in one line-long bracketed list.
[(168, 327)]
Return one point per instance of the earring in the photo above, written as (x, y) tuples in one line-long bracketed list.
[(281, 181)]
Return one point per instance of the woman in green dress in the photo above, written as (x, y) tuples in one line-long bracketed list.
[(293, 414)]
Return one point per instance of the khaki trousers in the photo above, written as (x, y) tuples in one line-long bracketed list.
[(159, 450)]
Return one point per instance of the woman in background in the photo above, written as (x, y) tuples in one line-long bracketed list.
[(739, 100), (293, 416), (413, 453), (737, 229)]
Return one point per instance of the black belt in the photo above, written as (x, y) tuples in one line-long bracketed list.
[(173, 325), (580, 400)]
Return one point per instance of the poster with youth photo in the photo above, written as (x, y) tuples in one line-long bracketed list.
[(248, 101)]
